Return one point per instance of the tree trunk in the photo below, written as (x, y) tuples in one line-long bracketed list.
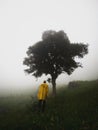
[(54, 86)]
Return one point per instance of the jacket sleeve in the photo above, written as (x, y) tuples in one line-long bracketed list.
[(39, 91), (47, 90)]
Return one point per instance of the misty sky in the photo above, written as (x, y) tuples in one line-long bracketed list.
[(22, 23)]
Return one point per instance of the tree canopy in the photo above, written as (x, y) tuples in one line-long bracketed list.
[(53, 55)]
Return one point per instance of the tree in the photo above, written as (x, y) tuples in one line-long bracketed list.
[(53, 55)]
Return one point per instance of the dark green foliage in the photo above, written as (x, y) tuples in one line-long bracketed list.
[(53, 55), (72, 109)]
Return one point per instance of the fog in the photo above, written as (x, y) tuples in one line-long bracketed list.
[(22, 23)]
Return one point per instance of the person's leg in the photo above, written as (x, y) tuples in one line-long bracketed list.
[(40, 105), (43, 105)]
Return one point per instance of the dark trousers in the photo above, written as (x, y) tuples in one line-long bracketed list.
[(42, 105)]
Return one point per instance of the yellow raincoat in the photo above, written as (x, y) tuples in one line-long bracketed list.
[(43, 91)]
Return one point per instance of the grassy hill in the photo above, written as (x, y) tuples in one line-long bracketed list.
[(74, 108)]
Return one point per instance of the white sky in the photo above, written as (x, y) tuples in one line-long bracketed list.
[(22, 23)]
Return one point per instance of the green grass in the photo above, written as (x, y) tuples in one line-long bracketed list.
[(72, 109)]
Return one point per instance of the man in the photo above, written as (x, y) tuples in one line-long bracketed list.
[(42, 95)]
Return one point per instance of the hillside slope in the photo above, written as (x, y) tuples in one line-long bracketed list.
[(72, 109)]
